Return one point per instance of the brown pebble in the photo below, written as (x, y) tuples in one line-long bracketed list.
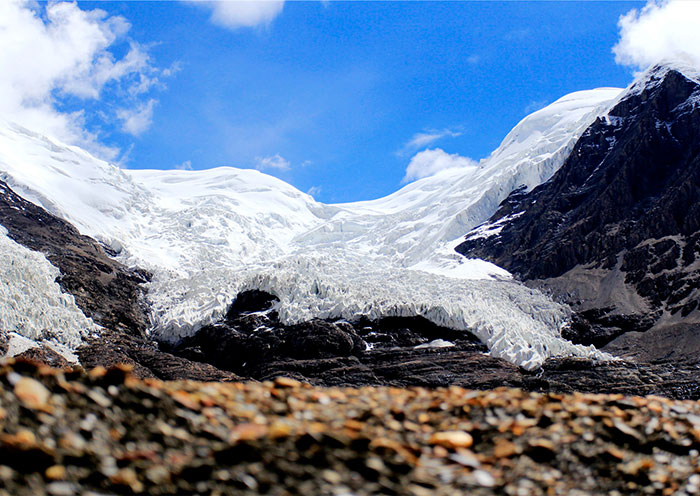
[(505, 449), (32, 393), (248, 432), (127, 477), (56, 472), (287, 382), (452, 439)]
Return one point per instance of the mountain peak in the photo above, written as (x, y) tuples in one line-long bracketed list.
[(664, 72), (618, 222)]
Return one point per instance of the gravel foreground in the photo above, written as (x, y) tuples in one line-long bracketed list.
[(107, 432)]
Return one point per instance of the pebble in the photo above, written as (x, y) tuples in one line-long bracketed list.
[(32, 393), (286, 382), (61, 489), (452, 439), (56, 472), (483, 478)]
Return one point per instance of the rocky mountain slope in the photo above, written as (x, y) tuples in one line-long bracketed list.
[(616, 231)]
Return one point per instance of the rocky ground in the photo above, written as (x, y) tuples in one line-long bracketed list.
[(107, 432)]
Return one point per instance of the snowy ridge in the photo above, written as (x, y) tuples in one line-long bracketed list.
[(411, 225), (32, 306), (654, 75), (206, 235)]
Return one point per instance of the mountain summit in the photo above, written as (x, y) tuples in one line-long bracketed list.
[(616, 230)]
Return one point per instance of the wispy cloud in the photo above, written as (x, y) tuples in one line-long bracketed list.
[(186, 165), (535, 105), (314, 191), (661, 30), (276, 162), (425, 138), (430, 162), (242, 14), (474, 59), (137, 120)]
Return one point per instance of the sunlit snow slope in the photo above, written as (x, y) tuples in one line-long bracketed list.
[(206, 235)]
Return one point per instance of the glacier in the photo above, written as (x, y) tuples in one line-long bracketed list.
[(207, 235), (32, 306)]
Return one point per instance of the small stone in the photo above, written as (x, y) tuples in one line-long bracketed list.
[(97, 372), (24, 438), (331, 476), (72, 441), (287, 382), (452, 439), (483, 478), (466, 458), (626, 431), (186, 400), (6, 473), (157, 474), (505, 449), (541, 450), (61, 489), (99, 398), (32, 393), (279, 429), (616, 453), (248, 432), (127, 477), (56, 472)]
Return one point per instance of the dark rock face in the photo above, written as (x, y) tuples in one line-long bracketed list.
[(600, 326), (566, 375), (113, 347), (43, 355), (251, 342), (630, 178), (627, 202)]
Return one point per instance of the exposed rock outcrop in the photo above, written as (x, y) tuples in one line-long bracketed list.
[(616, 230), (252, 343)]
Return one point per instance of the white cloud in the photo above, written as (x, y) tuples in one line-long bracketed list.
[(272, 162), (235, 14), (425, 138), (430, 162), (55, 50), (137, 120), (535, 105), (186, 165), (314, 191), (662, 30)]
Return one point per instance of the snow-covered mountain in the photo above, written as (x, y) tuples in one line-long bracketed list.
[(616, 231), (207, 235)]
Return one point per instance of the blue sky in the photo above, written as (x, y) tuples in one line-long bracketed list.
[(336, 97)]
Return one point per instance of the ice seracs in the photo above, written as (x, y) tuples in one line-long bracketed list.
[(206, 235), (33, 309)]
